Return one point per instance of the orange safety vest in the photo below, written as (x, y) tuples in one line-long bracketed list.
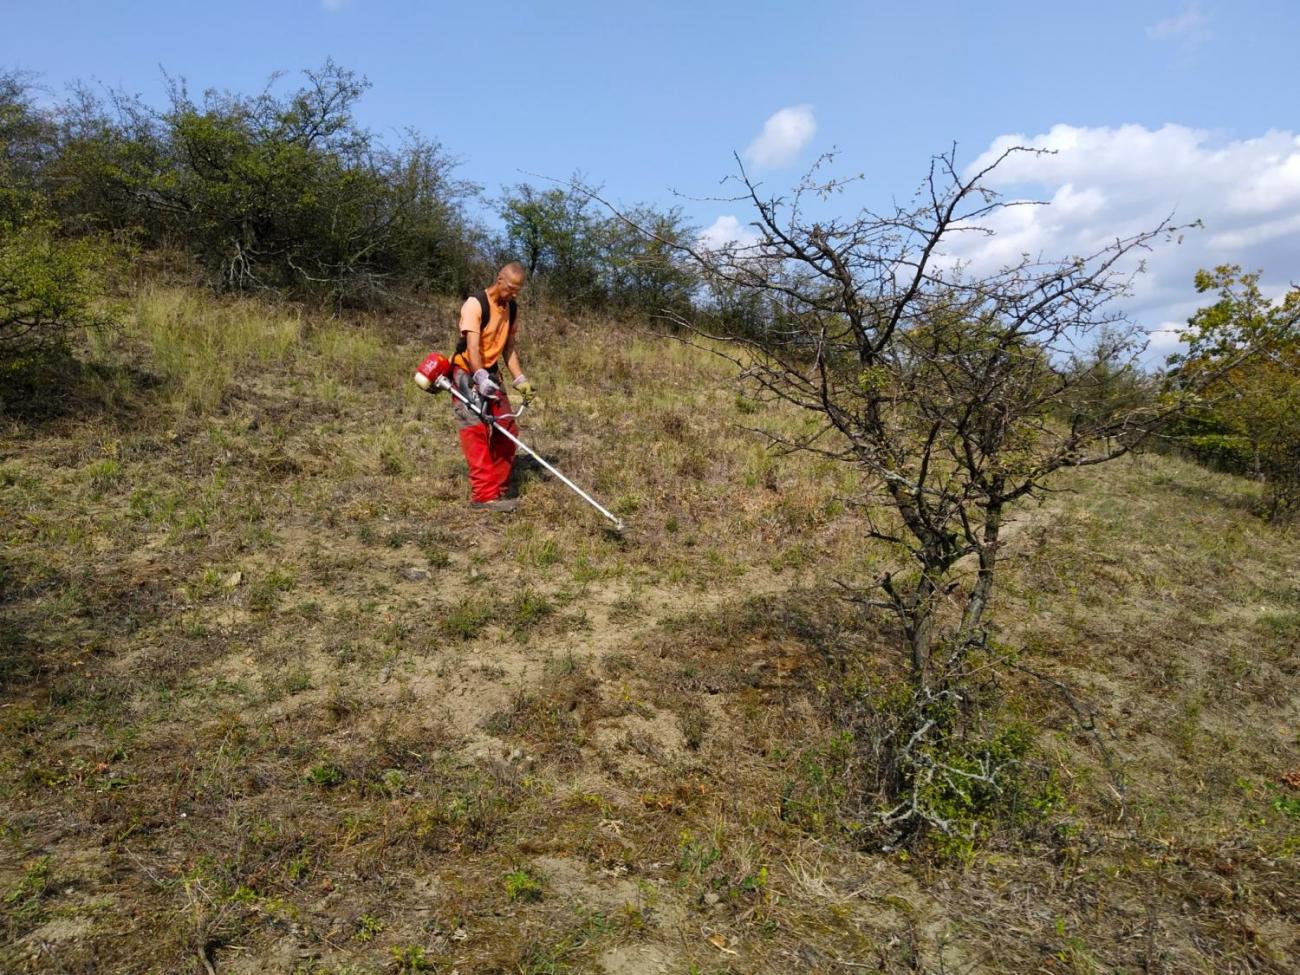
[(494, 332)]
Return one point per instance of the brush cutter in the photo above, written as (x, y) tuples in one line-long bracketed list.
[(435, 373)]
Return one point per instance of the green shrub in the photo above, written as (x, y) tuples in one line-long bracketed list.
[(326, 775), (410, 959), (523, 885), (1245, 348), (1221, 451), (952, 766), (50, 289)]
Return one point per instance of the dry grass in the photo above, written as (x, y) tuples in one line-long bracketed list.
[(273, 700)]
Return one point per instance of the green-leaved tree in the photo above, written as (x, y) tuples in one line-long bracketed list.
[(1249, 416)]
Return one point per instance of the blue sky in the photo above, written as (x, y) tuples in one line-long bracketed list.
[(1160, 105)]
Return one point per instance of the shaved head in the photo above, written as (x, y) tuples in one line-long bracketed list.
[(509, 282)]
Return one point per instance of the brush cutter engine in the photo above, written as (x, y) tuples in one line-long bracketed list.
[(435, 373), (432, 372)]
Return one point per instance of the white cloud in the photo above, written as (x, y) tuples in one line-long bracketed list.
[(1191, 28), (1104, 183), (727, 230), (784, 134)]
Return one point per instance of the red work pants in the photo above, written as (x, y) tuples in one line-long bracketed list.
[(489, 454)]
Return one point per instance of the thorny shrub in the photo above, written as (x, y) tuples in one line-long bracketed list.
[(941, 768)]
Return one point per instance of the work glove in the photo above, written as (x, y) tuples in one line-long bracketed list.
[(485, 386), (526, 390)]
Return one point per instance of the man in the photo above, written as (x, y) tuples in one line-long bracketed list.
[(488, 326)]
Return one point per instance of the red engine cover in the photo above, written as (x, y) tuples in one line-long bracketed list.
[(433, 368)]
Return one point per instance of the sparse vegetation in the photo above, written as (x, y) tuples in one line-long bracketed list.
[(327, 725), (267, 691)]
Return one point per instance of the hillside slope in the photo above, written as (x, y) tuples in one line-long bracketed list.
[(274, 700)]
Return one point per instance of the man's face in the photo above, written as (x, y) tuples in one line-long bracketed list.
[(508, 287)]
